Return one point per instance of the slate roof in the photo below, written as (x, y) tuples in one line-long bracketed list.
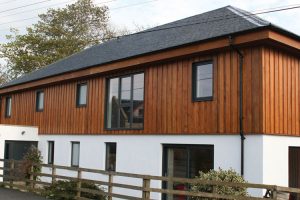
[(209, 25)]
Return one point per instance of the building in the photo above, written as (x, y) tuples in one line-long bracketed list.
[(219, 89)]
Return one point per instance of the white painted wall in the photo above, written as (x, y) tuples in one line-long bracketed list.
[(9, 132)]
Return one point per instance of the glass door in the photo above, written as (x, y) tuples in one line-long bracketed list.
[(185, 161)]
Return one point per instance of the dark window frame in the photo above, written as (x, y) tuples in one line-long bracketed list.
[(37, 100), (72, 165), (6, 107), (106, 156), (51, 159), (120, 76), (78, 104), (194, 81)]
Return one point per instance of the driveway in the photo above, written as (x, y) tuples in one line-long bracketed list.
[(7, 194)]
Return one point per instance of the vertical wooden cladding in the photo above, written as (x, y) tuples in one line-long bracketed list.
[(169, 108), (281, 92)]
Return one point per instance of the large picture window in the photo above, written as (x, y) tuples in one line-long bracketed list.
[(125, 102), (203, 81)]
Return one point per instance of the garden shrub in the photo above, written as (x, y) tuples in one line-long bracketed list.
[(66, 190), (222, 176)]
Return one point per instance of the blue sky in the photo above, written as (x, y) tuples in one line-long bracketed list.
[(133, 13)]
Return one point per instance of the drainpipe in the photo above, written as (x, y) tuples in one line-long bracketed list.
[(241, 62)]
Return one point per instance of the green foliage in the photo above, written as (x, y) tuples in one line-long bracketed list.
[(222, 176), (65, 190), (58, 33), (33, 156)]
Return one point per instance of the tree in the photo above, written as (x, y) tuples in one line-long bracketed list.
[(58, 34)]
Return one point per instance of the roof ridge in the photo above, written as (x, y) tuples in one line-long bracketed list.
[(250, 17)]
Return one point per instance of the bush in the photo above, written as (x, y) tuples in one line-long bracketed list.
[(32, 156), (66, 190), (222, 176)]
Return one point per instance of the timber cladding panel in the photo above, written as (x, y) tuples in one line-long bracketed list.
[(169, 108), (281, 92)]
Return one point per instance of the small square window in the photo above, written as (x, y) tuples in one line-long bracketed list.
[(111, 153), (202, 81), (8, 107), (50, 152), (39, 101), (75, 154), (81, 94)]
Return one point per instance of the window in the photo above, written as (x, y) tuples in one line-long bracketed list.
[(8, 107), (50, 152), (111, 152), (185, 161), (39, 101), (81, 94), (75, 154), (125, 102), (203, 81)]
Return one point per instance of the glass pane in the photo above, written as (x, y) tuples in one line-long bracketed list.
[(125, 90), (138, 101), (177, 167), (111, 151), (82, 94), (113, 103), (75, 154), (204, 71), (204, 81), (204, 88), (125, 115), (201, 159), (50, 152), (40, 103), (8, 106)]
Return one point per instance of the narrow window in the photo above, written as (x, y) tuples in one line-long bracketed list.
[(39, 101), (50, 152), (8, 107), (111, 152), (125, 102), (75, 154), (202, 81), (81, 94)]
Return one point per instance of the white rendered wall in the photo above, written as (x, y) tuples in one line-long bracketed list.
[(9, 132), (266, 157)]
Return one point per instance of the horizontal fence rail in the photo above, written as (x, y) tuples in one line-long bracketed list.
[(37, 181)]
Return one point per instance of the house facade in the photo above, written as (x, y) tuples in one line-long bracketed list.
[(216, 90)]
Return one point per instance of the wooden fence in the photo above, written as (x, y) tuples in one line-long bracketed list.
[(12, 179)]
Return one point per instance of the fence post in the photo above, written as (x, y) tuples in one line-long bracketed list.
[(53, 174), (79, 175), (146, 187), (274, 193), (31, 177), (214, 190), (11, 169), (110, 187)]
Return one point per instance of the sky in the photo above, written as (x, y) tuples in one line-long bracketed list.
[(144, 13)]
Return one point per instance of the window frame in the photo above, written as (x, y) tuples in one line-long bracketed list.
[(195, 65), (6, 110), (37, 100), (120, 76), (72, 143), (106, 156), (78, 85), (51, 159)]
